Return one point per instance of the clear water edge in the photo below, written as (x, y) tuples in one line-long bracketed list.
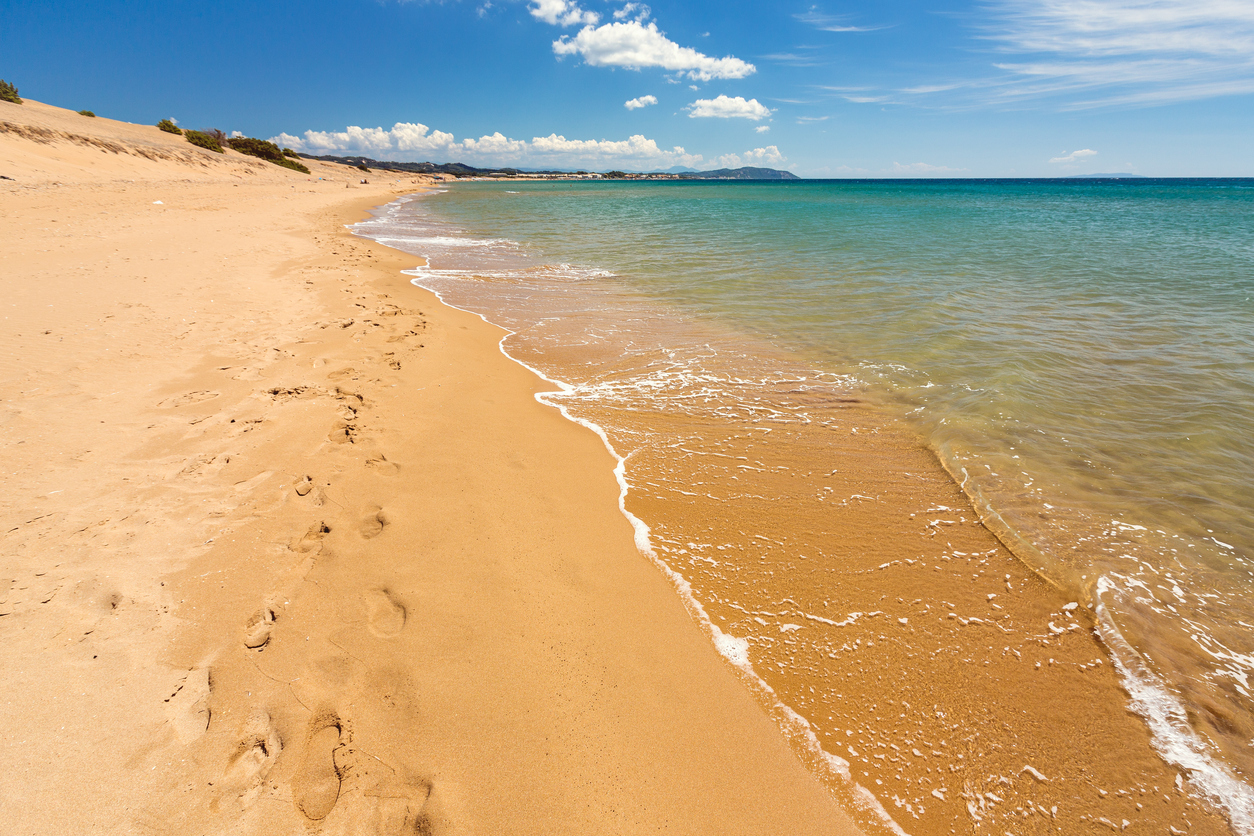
[(1178, 741), (831, 768)]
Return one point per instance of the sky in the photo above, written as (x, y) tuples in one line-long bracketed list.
[(896, 88)]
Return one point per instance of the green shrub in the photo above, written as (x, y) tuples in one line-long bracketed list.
[(264, 150), (8, 93), (288, 152), (293, 165), (169, 127), (203, 140), (363, 168), (87, 113), (255, 148)]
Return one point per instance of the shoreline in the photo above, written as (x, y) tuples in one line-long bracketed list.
[(310, 553), (1071, 704)]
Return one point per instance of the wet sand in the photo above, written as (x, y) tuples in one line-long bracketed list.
[(811, 523)]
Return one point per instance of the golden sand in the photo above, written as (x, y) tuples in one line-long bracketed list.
[(290, 547)]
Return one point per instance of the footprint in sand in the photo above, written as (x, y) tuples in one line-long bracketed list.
[(385, 615), (312, 539), (316, 787), (257, 630), (382, 463), (188, 398), (188, 707), (373, 522), (253, 758), (385, 799)]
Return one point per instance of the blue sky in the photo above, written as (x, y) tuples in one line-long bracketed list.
[(830, 89)]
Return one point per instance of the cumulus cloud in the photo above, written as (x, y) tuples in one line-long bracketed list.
[(406, 137), (495, 146), (642, 101), (562, 13), (638, 150), (1074, 156), (413, 142), (635, 45), (768, 156), (725, 107)]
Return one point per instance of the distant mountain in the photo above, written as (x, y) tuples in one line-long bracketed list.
[(746, 173), (1106, 177)]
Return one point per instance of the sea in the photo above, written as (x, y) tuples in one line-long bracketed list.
[(1078, 356)]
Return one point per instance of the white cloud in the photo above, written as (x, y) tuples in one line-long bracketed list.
[(636, 150), (923, 168), (831, 24), (725, 107), (414, 142), (762, 128), (1083, 54), (765, 156), (759, 157), (407, 137), (635, 11), (642, 101), (635, 45), (1074, 156), (1102, 52), (562, 13), (496, 146)]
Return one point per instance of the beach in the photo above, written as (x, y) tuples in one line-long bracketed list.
[(291, 544)]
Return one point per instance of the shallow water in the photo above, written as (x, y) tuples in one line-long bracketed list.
[(1080, 356)]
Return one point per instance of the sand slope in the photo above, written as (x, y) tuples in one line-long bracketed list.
[(289, 547)]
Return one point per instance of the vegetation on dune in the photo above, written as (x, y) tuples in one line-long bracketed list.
[(363, 168), (203, 140), (288, 152), (264, 150), (169, 127), (87, 113), (8, 93)]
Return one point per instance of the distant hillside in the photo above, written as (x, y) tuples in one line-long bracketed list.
[(746, 173), (463, 170), (455, 169)]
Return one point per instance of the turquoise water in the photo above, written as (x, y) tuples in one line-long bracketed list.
[(1080, 356)]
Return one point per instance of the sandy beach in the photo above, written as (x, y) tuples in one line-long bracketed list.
[(290, 546)]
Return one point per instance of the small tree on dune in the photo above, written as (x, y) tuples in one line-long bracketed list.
[(8, 93), (202, 140), (169, 127)]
